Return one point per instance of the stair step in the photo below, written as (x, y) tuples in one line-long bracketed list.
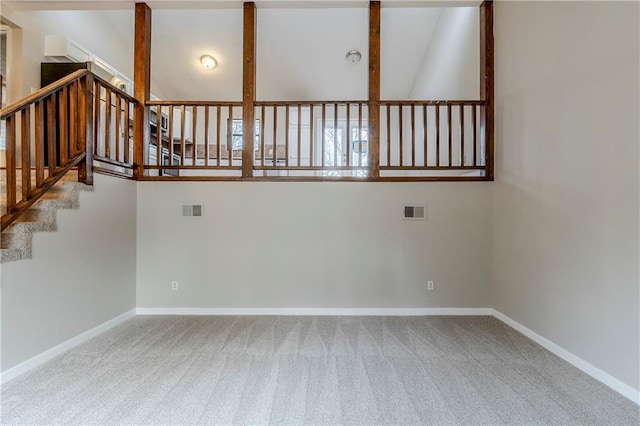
[(8, 255), (15, 242), (10, 240)]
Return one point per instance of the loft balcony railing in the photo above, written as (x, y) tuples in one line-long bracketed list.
[(317, 140), (86, 123)]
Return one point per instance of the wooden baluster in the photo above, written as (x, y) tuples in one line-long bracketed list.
[(413, 135), (26, 152), (82, 120), (158, 111), (194, 124), (474, 111), (118, 111), (275, 134), (206, 135), (63, 125), (360, 135), (311, 147), (324, 124), (52, 147), (10, 139), (262, 115), (348, 134), (170, 135), (449, 134), (426, 135), (39, 141), (85, 132), (286, 135), (127, 145), (73, 119), (437, 135), (81, 94), (401, 130), (183, 110), (335, 135), (299, 132), (388, 135), (218, 131), (462, 160), (107, 122), (85, 114), (97, 96), (230, 134)]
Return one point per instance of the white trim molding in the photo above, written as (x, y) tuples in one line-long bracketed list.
[(602, 376), (317, 311), (49, 354)]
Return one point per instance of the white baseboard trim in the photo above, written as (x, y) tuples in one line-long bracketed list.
[(615, 384), (49, 354), (317, 311)]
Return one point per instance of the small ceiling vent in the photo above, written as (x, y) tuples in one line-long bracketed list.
[(192, 210), (415, 212)]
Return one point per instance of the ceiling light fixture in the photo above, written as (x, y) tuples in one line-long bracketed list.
[(208, 61), (353, 56)]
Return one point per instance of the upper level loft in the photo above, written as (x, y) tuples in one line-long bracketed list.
[(359, 91)]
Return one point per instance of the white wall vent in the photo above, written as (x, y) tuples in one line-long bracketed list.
[(195, 210), (412, 212)]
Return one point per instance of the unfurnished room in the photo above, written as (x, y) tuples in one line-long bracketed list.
[(321, 212)]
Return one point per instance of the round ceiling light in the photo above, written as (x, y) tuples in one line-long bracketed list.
[(208, 62), (353, 56)]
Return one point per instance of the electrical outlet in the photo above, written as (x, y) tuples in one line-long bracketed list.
[(174, 285), (430, 285)]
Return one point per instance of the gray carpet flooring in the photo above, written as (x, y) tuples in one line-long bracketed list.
[(311, 370)]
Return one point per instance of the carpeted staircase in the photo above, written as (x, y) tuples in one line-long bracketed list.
[(15, 241)]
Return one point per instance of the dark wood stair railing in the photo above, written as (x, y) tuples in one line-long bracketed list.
[(53, 131), (419, 140)]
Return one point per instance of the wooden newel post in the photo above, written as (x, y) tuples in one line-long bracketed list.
[(85, 133), (487, 84), (248, 89), (141, 86), (374, 89)]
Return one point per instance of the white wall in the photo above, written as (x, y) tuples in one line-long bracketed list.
[(316, 245), (79, 277), (565, 242), (451, 65), (92, 29)]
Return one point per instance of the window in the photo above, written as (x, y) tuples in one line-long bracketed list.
[(335, 147), (236, 135)]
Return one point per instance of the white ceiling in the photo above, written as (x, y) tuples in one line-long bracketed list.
[(224, 4), (300, 52)]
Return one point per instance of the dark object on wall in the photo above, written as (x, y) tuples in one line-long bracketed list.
[(50, 72)]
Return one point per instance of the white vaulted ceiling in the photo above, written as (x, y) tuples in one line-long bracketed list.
[(300, 51)]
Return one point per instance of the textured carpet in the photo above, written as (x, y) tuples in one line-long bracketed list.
[(311, 370)]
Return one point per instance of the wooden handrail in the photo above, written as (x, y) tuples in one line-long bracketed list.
[(192, 103), (42, 93), (124, 95), (431, 102), (306, 103)]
